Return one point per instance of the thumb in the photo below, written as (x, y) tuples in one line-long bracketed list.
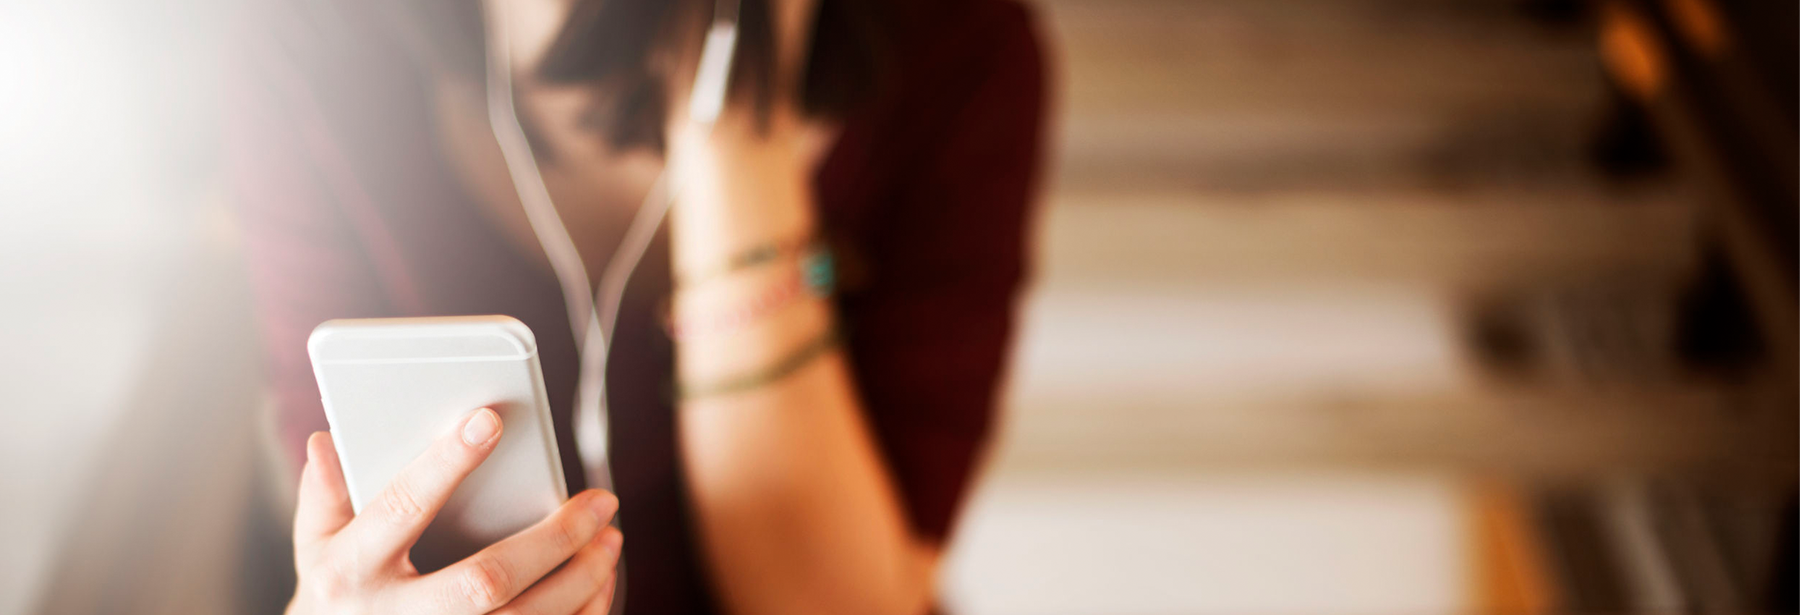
[(323, 502)]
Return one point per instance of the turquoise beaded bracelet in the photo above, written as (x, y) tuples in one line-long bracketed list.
[(815, 276)]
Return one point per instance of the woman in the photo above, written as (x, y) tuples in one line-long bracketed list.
[(822, 444)]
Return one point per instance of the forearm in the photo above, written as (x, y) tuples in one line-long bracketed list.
[(796, 510)]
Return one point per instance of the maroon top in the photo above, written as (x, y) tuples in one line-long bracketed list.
[(351, 211)]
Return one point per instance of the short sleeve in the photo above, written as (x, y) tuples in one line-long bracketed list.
[(930, 334)]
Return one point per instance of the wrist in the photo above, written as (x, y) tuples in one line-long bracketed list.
[(755, 348), (730, 194), (752, 323)]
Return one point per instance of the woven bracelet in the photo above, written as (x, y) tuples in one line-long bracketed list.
[(754, 257), (815, 276), (773, 373)]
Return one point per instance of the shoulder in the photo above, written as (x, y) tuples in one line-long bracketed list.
[(948, 38), (955, 64)]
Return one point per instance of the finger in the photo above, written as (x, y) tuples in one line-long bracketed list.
[(493, 577), (602, 602), (323, 502), (388, 526), (576, 586)]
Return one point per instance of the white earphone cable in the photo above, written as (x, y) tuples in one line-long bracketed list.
[(527, 180), (593, 315)]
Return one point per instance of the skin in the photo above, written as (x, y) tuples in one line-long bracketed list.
[(795, 509), (358, 563)]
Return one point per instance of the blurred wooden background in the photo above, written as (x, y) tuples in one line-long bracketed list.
[(1245, 380)]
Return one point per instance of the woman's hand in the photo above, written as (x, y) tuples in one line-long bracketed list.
[(351, 563)]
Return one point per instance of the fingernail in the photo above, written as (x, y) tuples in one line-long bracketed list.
[(314, 442), (481, 427), (611, 539)]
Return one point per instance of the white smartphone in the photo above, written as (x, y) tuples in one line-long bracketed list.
[(393, 385)]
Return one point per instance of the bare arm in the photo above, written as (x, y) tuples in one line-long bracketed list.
[(798, 507), (796, 510)]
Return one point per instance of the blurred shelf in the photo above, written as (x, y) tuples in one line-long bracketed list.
[(1182, 240), (1196, 329), (1541, 433), (1338, 543), (1254, 94)]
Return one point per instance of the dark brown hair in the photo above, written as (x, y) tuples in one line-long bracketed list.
[(612, 45)]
